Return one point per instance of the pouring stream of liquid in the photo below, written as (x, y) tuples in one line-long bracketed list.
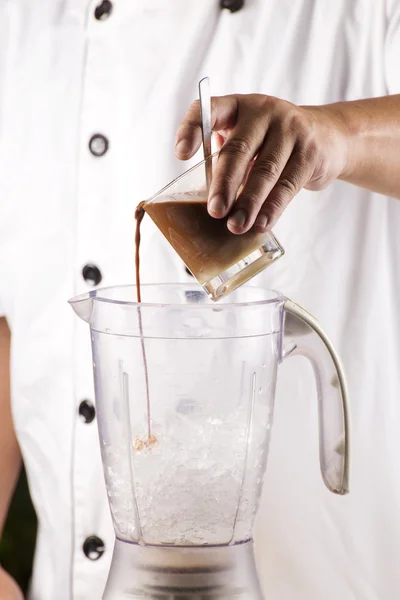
[(139, 214)]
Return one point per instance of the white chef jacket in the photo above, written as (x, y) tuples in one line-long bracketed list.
[(66, 76)]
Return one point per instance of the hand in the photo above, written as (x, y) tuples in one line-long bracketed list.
[(272, 146), (9, 590)]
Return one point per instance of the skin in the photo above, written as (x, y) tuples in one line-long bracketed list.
[(8, 588), (10, 455), (278, 148)]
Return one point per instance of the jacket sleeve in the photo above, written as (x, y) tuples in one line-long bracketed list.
[(392, 47)]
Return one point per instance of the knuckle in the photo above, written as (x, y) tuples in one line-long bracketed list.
[(286, 187), (268, 170), (276, 206), (252, 200), (227, 180), (296, 122), (311, 148), (306, 159), (307, 142), (237, 146), (301, 157), (271, 103)]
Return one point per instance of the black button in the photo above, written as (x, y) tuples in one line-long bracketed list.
[(188, 272), (232, 5), (98, 144), (87, 411), (93, 547), (91, 274), (103, 10)]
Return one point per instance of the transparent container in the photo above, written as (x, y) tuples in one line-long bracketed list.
[(188, 471), (220, 260)]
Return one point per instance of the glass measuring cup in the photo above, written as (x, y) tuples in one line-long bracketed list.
[(220, 260)]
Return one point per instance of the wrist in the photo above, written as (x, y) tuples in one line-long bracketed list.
[(337, 137), (347, 123)]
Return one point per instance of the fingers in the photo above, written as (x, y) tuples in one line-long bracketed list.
[(265, 173), (188, 137), (231, 169), (294, 176), (271, 150)]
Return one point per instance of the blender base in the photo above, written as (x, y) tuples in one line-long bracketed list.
[(182, 573)]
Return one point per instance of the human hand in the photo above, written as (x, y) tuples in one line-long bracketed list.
[(9, 590), (272, 146)]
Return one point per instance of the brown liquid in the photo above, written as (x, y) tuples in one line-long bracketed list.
[(139, 214), (151, 440), (205, 244)]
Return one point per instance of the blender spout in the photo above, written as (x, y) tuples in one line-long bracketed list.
[(83, 306)]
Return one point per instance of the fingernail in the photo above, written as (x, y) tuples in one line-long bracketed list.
[(216, 205), (238, 219), (261, 222), (182, 147)]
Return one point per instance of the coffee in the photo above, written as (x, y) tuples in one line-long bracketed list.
[(139, 444), (204, 243), (139, 214), (220, 260)]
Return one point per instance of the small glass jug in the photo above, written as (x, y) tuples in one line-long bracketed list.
[(220, 260)]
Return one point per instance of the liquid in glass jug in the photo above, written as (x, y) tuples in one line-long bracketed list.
[(220, 260)]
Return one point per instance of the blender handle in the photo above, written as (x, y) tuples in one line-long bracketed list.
[(308, 339)]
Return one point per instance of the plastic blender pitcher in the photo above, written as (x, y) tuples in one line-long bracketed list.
[(184, 495)]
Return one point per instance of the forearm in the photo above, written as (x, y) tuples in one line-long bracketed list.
[(373, 130), (10, 456)]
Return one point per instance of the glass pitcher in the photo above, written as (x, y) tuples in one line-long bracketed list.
[(218, 259), (184, 471)]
